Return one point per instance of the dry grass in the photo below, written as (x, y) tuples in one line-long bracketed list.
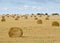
[(34, 30)]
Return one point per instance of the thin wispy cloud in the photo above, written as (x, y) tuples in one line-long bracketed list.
[(29, 6)]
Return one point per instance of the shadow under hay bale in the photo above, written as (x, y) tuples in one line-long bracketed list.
[(15, 32), (3, 19), (39, 21), (55, 23)]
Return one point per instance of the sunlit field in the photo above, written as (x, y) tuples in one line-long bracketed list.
[(34, 28)]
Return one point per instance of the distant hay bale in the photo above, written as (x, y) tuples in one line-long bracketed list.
[(3, 19), (55, 23), (47, 18), (15, 32), (13, 16), (16, 18), (39, 21), (55, 14), (46, 13), (26, 17), (31, 16), (7, 16), (36, 18), (40, 14)]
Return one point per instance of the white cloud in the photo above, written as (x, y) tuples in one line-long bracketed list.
[(5, 9), (34, 7), (25, 7)]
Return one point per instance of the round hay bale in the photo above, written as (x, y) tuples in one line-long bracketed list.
[(40, 15), (26, 17), (13, 16), (46, 13), (36, 18), (55, 23), (3, 19), (7, 16), (31, 15), (39, 21), (16, 18), (15, 32), (47, 18)]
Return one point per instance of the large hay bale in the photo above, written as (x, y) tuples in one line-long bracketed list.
[(39, 21), (15, 32), (55, 23)]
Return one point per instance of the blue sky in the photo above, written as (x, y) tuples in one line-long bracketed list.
[(29, 6)]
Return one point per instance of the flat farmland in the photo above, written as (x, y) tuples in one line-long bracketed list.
[(36, 28)]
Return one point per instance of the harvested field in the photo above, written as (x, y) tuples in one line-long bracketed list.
[(45, 31)]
